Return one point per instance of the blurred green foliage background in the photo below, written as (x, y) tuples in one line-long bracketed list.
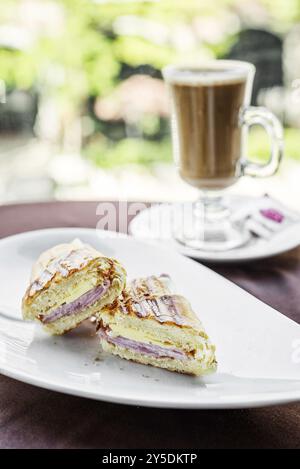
[(85, 49)]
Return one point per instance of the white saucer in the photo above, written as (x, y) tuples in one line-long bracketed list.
[(154, 225)]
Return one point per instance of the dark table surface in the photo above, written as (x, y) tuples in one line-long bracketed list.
[(36, 418)]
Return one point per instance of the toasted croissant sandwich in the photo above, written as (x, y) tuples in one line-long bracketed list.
[(149, 324), (69, 283)]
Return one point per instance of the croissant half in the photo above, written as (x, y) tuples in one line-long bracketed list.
[(70, 283), (149, 324)]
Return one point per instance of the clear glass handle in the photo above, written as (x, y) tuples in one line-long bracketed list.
[(262, 116)]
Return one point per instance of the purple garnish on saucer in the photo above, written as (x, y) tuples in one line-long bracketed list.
[(272, 214)]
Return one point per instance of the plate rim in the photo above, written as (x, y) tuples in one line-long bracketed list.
[(264, 400), (259, 399)]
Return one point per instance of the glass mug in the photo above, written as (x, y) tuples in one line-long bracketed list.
[(211, 116)]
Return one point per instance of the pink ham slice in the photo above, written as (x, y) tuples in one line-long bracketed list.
[(148, 349), (84, 301)]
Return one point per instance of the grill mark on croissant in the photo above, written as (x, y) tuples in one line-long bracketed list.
[(146, 298), (149, 286), (75, 260), (65, 265), (164, 308)]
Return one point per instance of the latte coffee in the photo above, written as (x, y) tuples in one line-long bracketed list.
[(211, 118), (207, 135)]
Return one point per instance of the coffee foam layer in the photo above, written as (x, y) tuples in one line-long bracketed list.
[(207, 75)]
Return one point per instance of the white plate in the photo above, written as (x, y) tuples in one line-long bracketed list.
[(155, 225), (258, 349)]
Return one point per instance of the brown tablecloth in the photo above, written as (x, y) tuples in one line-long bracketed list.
[(36, 418)]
